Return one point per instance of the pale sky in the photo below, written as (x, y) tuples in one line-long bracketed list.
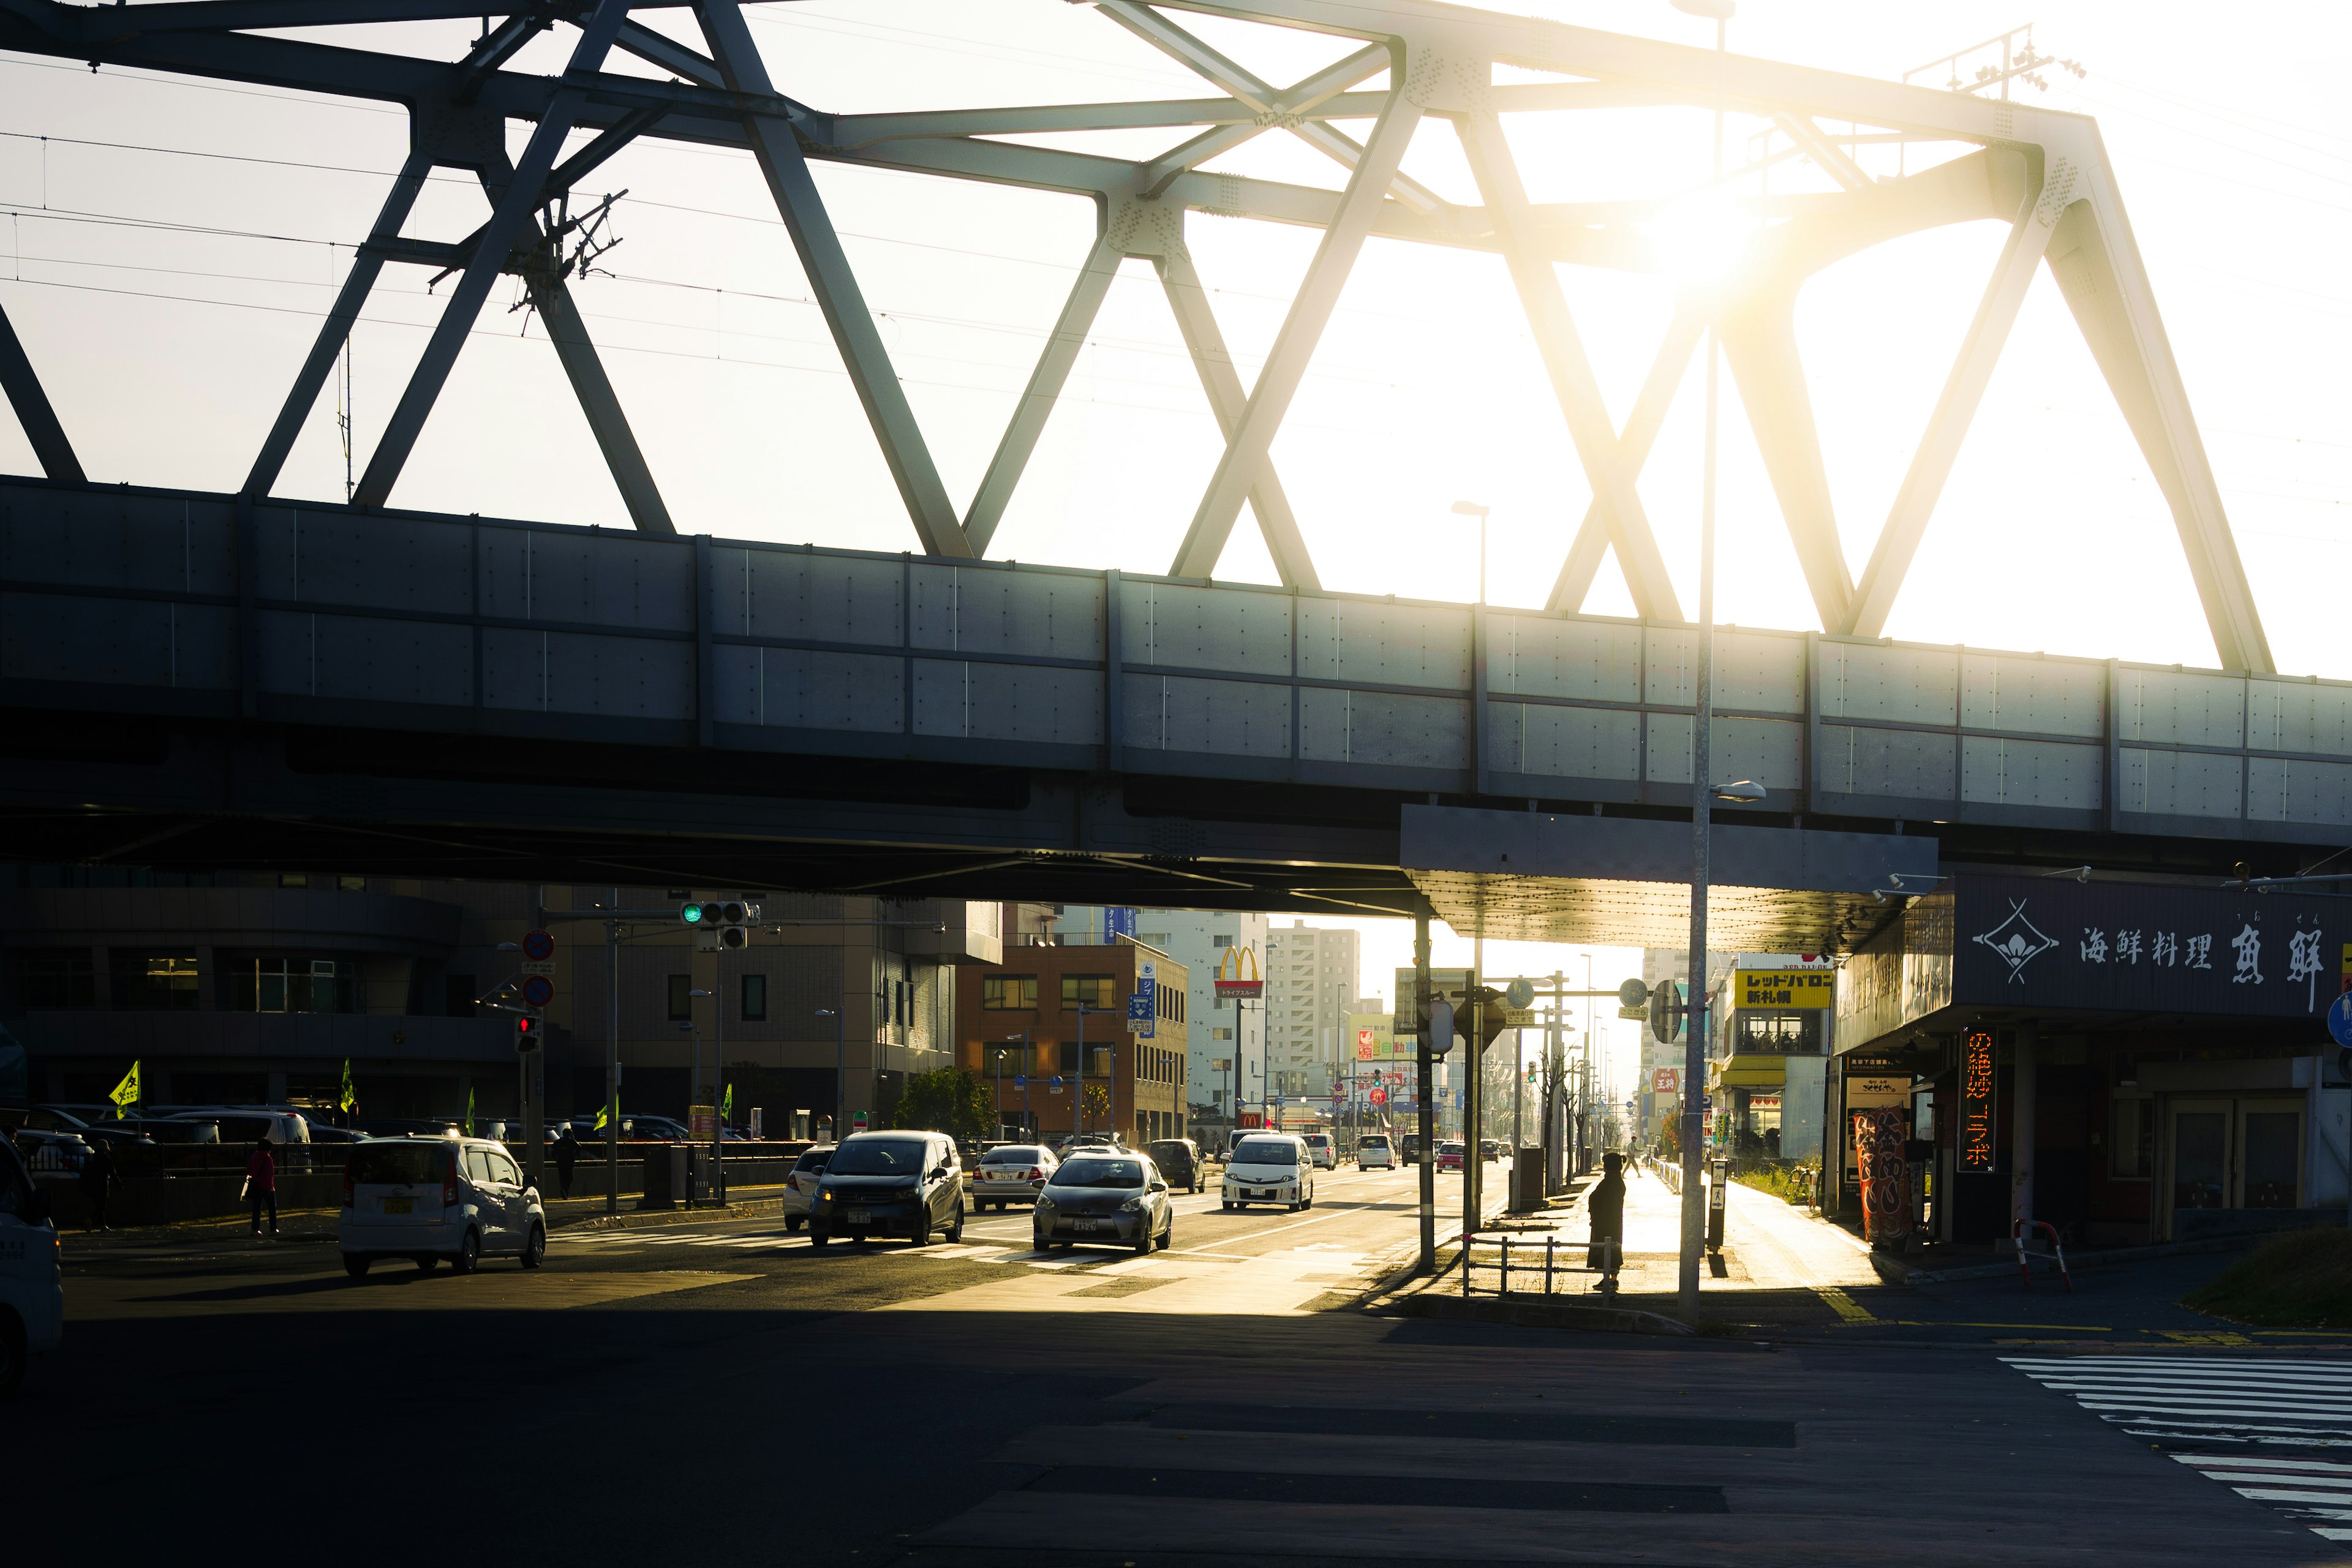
[(167, 248)]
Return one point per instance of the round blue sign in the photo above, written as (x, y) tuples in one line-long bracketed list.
[(1057, 1081), (538, 990), (2339, 1019), (538, 946), (1021, 1080)]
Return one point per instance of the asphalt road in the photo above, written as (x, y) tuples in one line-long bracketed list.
[(723, 1390)]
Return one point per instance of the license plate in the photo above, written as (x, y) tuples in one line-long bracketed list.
[(861, 1217), (399, 1205), (1086, 1225)]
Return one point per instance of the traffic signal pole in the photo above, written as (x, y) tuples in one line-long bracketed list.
[(613, 1056), (1426, 1093)]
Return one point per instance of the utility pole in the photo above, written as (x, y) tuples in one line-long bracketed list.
[(1473, 1096), (612, 1055), (1427, 1093)]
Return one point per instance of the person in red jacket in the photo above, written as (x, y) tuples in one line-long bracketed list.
[(261, 1185)]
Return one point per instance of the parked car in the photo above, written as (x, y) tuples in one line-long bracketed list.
[(53, 1155), (239, 1125), (1011, 1173), (455, 1198), (1321, 1150), (409, 1127), (1270, 1168), (1180, 1160), (1375, 1153), (904, 1182), (1490, 1149), (182, 1130), (1449, 1156), (1117, 1197), (32, 1288), (801, 1185), (320, 1132), (49, 1119), (1409, 1148)]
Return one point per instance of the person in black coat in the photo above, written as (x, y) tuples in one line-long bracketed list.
[(98, 1179), (567, 1154), (1606, 1205)]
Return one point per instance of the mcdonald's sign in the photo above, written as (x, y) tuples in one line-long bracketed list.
[(1231, 980)]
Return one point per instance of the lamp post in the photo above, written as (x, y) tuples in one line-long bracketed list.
[(1028, 1071), (840, 1071)]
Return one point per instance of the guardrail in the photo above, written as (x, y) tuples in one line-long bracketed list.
[(1497, 1260)]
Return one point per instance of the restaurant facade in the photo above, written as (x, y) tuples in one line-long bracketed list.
[(2128, 1062)]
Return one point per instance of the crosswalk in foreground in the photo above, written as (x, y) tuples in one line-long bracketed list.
[(2279, 1432)]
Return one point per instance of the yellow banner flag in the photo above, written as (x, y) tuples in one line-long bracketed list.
[(127, 1091), (602, 1116)]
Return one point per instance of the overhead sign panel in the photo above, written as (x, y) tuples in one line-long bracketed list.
[(1784, 988)]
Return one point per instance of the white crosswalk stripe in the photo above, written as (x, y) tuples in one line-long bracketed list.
[(2277, 1432), (968, 1253)]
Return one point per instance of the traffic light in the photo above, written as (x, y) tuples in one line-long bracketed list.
[(527, 1028), (728, 921)]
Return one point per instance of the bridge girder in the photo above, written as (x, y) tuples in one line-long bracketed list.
[(2065, 210)]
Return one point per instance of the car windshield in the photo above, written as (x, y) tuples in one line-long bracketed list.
[(1010, 1156), (1100, 1173), (387, 1165), (1449, 1148), (1265, 1151), (880, 1157), (1318, 1140), (1372, 1143), (1169, 1151)]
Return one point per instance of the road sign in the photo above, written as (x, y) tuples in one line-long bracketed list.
[(1665, 1081), (1379, 1095), (538, 945), (1520, 994), (1519, 1018), (537, 991), (1021, 1080), (1666, 1011), (537, 966), (1633, 996), (2339, 1019), (858, 1120)]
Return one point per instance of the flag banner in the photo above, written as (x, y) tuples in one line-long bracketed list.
[(126, 1092), (349, 1098)]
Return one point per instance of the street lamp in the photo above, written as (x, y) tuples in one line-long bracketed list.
[(1028, 1071), (840, 1071), (1472, 508)]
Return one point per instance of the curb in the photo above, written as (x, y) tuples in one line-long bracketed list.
[(1894, 1271), (651, 1219), (1529, 1314)]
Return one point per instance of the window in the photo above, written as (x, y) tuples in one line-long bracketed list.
[(55, 977), (293, 879), (478, 1164), (458, 992), (154, 980), (755, 998), (1089, 990), (503, 1169), (1018, 1058), (681, 1001), (351, 884), (290, 983), (1008, 993), (1221, 942), (1220, 1033)]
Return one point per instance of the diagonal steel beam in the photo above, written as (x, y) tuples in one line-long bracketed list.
[(495, 48), (836, 288), (1298, 98), (577, 353), (661, 49), (1228, 402), (1252, 440), (1940, 447), (1199, 58), (321, 362), (1573, 383), (1634, 444), (506, 225), (1760, 342), (1036, 405), (23, 385), (1827, 155)]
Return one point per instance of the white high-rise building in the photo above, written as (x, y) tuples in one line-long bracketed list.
[(1313, 978), (1199, 940)]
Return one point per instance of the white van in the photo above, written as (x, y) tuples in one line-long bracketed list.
[(430, 1198), (1270, 1168), (32, 1290), (1375, 1153)]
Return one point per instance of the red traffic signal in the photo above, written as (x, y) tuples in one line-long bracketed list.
[(527, 1030)]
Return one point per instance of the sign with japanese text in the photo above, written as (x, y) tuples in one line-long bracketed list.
[(1978, 1142), (1375, 1037), (1142, 1005), (1784, 988), (1665, 1081)]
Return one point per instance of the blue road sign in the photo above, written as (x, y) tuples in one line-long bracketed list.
[(2339, 1019), (1056, 1080), (538, 990), (1021, 1080)]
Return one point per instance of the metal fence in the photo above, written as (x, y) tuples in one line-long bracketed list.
[(1509, 1264)]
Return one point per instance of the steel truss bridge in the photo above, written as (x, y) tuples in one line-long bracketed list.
[(201, 679)]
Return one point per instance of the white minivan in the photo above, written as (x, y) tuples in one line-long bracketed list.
[(32, 1290), (429, 1198), (1270, 1168)]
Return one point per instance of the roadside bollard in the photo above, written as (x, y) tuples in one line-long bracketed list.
[(1551, 1246), (1505, 1288)]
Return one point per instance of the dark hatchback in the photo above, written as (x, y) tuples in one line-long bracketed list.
[(1180, 1160), (1118, 1199), (890, 1184)]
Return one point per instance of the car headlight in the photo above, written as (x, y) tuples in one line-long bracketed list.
[(1131, 1205), (1044, 1201)]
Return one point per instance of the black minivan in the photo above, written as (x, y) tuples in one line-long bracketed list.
[(1180, 1162), (890, 1184)]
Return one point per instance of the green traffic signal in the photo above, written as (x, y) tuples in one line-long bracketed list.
[(690, 913)]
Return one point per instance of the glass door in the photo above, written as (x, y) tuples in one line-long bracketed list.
[(2270, 1158), (2201, 1155)]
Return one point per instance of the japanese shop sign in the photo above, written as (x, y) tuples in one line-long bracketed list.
[(1976, 1138), (1784, 988)]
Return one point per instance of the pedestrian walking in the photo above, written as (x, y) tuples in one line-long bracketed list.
[(1606, 1205), (567, 1154), (97, 1180), (261, 1185)]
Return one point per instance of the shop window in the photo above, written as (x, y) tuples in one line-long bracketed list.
[(681, 999), (1008, 993), (2273, 1150), (2131, 1138), (755, 998), (1777, 1034), (55, 977), (1089, 990), (166, 980)]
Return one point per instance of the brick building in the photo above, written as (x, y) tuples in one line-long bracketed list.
[(1022, 1019)]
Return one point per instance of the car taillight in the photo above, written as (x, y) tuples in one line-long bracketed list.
[(449, 1186), (1036, 1174)]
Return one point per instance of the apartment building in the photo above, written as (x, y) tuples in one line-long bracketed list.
[(1313, 976), (1227, 1042)]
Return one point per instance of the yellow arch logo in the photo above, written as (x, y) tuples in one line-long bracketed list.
[(1232, 981)]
